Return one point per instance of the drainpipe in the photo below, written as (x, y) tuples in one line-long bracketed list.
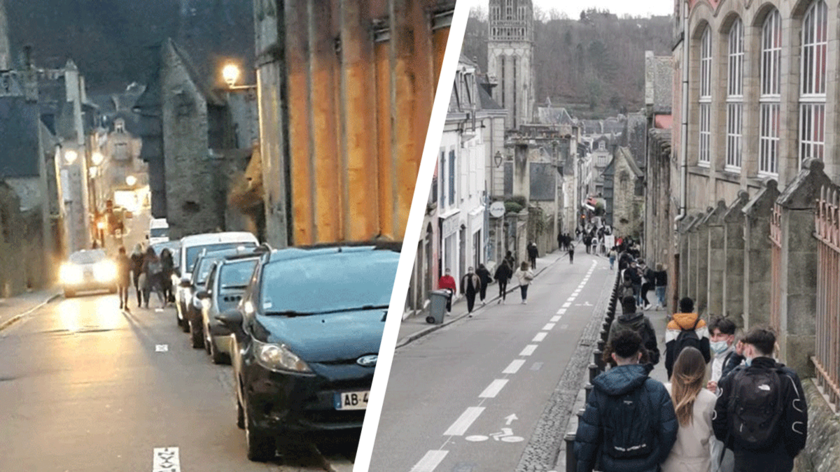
[(684, 116)]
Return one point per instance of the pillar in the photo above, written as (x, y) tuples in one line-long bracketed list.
[(733, 279), (716, 260), (757, 256)]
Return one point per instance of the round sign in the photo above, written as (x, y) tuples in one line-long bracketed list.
[(497, 209)]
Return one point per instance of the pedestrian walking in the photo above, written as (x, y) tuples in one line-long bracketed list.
[(612, 255), (660, 284), (533, 253), (636, 321), (510, 260), (633, 278), (153, 270), (560, 241), (470, 286), (447, 282), (503, 275), (137, 270), (166, 278), (629, 423), (486, 279), (686, 329), (647, 283), (123, 277), (571, 253), (761, 412), (722, 344), (525, 276), (694, 406)]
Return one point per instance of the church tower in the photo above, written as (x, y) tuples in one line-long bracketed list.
[(510, 58)]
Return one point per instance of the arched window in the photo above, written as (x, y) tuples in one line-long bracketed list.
[(735, 97), (770, 98), (705, 97), (812, 79)]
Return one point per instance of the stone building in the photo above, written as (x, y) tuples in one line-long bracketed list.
[(624, 194), (753, 176), (346, 91), (510, 58)]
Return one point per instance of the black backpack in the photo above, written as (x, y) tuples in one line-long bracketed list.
[(626, 289), (628, 429), (687, 338), (755, 407)]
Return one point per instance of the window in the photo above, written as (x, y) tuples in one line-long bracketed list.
[(451, 177), (770, 98), (812, 97), (602, 145), (705, 97), (735, 97)]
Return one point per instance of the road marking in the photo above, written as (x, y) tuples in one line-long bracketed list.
[(576, 292), (555, 319), (460, 426), (567, 305), (539, 337), (529, 349), (165, 459), (430, 461), (494, 388), (162, 348), (510, 419), (561, 311), (514, 366), (548, 327)]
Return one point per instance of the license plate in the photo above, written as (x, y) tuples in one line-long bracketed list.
[(351, 400)]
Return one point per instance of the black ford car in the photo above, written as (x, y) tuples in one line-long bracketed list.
[(306, 337)]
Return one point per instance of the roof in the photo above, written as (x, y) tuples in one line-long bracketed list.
[(660, 83), (19, 132), (551, 115), (200, 82), (631, 162), (487, 102)]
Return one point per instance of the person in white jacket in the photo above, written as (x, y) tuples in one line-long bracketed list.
[(694, 406), (525, 276)]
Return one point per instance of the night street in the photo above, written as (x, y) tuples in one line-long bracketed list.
[(468, 397), (85, 387)]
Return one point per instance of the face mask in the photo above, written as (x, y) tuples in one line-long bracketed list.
[(748, 361), (719, 346)]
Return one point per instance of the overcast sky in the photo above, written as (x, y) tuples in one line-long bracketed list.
[(619, 7)]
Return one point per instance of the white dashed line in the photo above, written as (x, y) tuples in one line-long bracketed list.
[(567, 304), (460, 426), (529, 349), (430, 461), (548, 327), (539, 337), (514, 366), (494, 388), (561, 311), (555, 319)]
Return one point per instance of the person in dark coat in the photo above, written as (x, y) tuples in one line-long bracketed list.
[(484, 276), (533, 253), (503, 275), (571, 253), (635, 409), (123, 277), (470, 286), (137, 269), (168, 269), (631, 320), (153, 270)]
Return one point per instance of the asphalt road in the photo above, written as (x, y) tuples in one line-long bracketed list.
[(468, 397), (86, 387)]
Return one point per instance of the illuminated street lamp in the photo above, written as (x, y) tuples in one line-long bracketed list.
[(70, 156), (131, 180), (97, 158), (231, 72)]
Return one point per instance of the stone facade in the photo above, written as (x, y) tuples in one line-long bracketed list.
[(628, 198), (510, 58)]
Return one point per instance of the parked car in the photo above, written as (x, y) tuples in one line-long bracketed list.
[(225, 285), (306, 338), (191, 247), (88, 270)]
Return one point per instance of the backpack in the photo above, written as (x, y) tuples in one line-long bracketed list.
[(626, 289), (755, 408), (628, 429), (687, 338)]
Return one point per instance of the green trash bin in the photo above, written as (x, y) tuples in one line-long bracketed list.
[(437, 308)]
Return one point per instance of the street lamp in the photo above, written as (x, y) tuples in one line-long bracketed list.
[(131, 180), (70, 156), (231, 72), (498, 158), (96, 158)]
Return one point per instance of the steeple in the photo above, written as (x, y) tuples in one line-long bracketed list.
[(510, 58), (5, 49)]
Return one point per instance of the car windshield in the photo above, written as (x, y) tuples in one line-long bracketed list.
[(87, 257), (236, 274), (194, 251), (202, 270), (158, 232), (306, 286)]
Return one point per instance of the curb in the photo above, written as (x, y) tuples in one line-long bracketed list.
[(19, 317), (431, 329)]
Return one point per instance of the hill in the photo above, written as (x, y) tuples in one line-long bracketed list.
[(595, 63)]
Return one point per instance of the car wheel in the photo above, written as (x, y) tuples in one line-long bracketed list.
[(208, 341), (178, 318), (218, 356), (185, 324), (196, 335), (261, 446), (240, 415), (69, 293)]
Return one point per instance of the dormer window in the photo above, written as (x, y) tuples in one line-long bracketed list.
[(119, 126)]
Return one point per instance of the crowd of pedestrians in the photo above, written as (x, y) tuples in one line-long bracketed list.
[(149, 272)]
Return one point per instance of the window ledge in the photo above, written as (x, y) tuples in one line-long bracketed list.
[(699, 170), (730, 175)]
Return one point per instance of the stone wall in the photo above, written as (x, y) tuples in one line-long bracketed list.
[(822, 451), (22, 257), (628, 207)]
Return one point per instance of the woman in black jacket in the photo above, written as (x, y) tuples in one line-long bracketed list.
[(502, 275), (136, 270)]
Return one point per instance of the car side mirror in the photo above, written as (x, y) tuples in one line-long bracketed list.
[(232, 320), (202, 295), (185, 282)]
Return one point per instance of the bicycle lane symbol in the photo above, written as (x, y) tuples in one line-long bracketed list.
[(505, 435)]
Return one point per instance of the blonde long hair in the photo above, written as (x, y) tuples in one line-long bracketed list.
[(686, 383)]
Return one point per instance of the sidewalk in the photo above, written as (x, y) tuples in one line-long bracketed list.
[(14, 308), (415, 327)]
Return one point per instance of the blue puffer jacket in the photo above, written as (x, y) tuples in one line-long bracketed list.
[(616, 382)]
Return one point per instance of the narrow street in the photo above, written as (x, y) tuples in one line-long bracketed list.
[(468, 397), (84, 386)]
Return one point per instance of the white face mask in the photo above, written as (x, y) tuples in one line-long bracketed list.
[(719, 346)]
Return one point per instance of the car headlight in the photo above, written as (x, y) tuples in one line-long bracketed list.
[(105, 271), (279, 358), (70, 274)]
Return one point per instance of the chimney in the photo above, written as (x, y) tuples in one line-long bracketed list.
[(5, 49)]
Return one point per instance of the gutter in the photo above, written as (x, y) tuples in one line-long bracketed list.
[(684, 120)]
